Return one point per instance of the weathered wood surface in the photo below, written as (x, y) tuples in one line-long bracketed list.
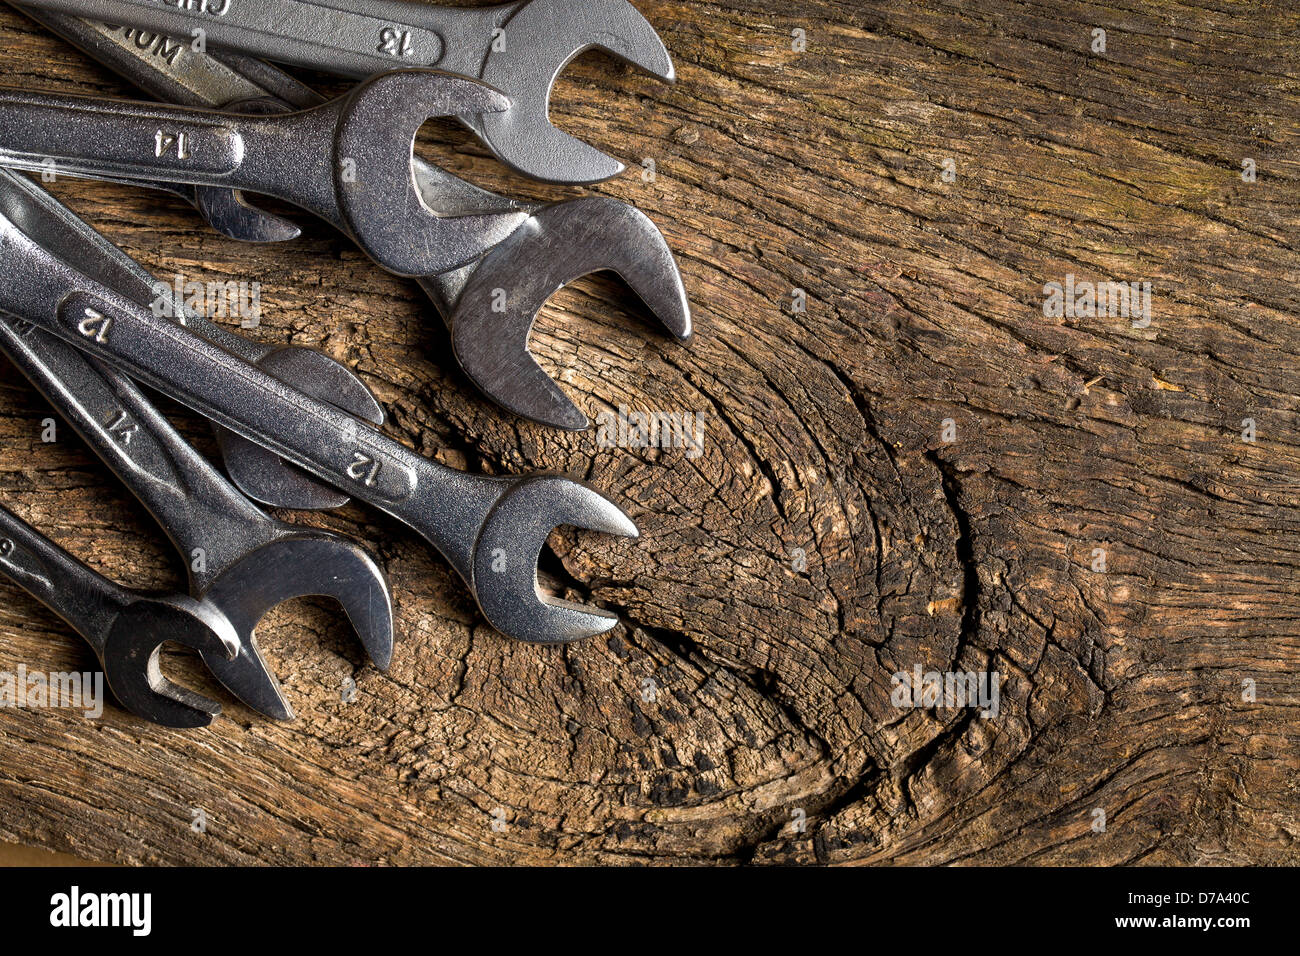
[(822, 170)]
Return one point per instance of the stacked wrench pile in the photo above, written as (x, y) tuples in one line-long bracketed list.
[(295, 429)]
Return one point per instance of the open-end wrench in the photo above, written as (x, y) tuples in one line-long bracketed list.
[(560, 242), (259, 474), (240, 561), (490, 529), (243, 562), (126, 629), (348, 161), (519, 48), (228, 211)]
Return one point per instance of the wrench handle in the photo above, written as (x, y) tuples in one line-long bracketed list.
[(187, 496), (286, 155), (80, 134), (85, 599), (446, 506), (168, 69), (177, 74), (365, 38)]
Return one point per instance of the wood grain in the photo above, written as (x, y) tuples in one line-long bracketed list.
[(821, 170)]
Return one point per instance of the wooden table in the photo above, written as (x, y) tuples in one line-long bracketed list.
[(920, 467)]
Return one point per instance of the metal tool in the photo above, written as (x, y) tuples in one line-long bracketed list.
[(490, 529), (257, 472), (348, 161), (263, 475), (227, 212), (119, 48), (519, 48), (242, 561), (169, 69), (559, 243), (126, 629)]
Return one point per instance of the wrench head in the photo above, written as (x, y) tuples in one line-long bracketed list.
[(378, 198), (314, 563), (544, 36), (517, 528), (230, 213), (134, 643), (559, 244), (261, 474)]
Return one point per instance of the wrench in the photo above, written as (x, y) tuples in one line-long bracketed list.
[(230, 78), (258, 473), (561, 241), (228, 211), (348, 161), (126, 629), (519, 48), (240, 560), (490, 529)]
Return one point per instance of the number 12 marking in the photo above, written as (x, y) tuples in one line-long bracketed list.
[(364, 469)]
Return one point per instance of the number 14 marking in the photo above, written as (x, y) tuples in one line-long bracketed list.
[(394, 42), (162, 142)]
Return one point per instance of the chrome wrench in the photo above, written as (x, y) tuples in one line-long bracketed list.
[(239, 560), (229, 78), (180, 75), (257, 472), (559, 243), (519, 48), (490, 529), (348, 161), (126, 629)]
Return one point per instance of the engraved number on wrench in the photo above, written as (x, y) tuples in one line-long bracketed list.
[(216, 8), (364, 469), (164, 141), (121, 427), (394, 42), (95, 326)]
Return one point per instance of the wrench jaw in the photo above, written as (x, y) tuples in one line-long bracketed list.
[(379, 202), (507, 551), (560, 243), (230, 213), (131, 651), (307, 564), (544, 37)]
